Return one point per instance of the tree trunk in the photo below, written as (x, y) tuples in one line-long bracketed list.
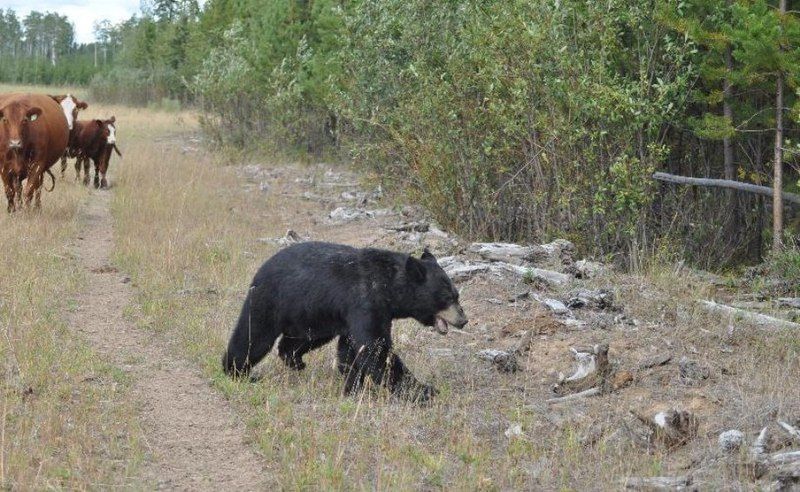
[(777, 180), (727, 112)]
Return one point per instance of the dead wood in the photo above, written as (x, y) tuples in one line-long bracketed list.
[(758, 319), (671, 428), (725, 183)]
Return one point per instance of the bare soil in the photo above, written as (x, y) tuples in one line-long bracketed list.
[(193, 439)]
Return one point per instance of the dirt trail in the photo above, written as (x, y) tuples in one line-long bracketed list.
[(193, 440)]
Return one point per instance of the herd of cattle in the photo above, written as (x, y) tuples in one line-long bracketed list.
[(36, 131)]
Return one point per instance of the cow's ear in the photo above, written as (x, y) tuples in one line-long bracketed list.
[(33, 113), (112, 119), (82, 105), (99, 123)]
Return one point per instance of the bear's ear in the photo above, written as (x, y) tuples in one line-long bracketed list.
[(427, 256), (415, 270)]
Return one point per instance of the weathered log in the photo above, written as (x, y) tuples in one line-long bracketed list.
[(671, 428), (793, 431), (540, 274), (783, 458), (759, 446), (761, 320), (594, 371), (461, 270), (658, 483), (725, 183), (504, 361), (793, 302), (507, 252), (575, 396)]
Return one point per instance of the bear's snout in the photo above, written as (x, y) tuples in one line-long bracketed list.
[(453, 315)]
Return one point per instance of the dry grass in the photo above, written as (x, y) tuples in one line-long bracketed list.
[(65, 417), (187, 229)]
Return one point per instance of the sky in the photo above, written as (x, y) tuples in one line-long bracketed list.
[(82, 13)]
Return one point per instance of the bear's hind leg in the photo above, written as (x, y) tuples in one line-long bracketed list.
[(292, 350), (243, 355), (251, 340)]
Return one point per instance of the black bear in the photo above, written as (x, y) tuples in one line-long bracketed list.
[(313, 292)]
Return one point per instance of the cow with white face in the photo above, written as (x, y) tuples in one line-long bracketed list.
[(94, 141), (70, 105)]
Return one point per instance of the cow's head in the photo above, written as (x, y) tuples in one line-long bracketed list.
[(70, 105), (108, 130), (16, 118), (111, 130)]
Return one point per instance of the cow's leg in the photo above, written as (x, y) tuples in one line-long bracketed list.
[(8, 186), (34, 181), (103, 165), (86, 171), (17, 183), (78, 168), (63, 165), (96, 174), (39, 193)]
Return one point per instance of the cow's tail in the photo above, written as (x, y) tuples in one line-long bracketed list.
[(117, 150), (53, 179)]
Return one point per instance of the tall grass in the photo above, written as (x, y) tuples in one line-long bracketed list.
[(66, 419)]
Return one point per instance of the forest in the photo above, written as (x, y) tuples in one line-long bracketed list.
[(508, 120)]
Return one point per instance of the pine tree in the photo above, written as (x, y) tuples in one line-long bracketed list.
[(767, 46)]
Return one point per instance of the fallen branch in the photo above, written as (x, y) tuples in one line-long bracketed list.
[(759, 446), (792, 302), (783, 458), (508, 361), (539, 274), (658, 483), (791, 430), (460, 270), (592, 377), (725, 183), (508, 252), (756, 318), (671, 428), (575, 396)]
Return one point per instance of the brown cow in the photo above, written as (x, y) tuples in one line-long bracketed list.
[(33, 136), (94, 140), (70, 105)]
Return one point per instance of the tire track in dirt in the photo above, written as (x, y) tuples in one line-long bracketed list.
[(192, 438)]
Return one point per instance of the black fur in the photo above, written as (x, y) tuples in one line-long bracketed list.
[(312, 292)]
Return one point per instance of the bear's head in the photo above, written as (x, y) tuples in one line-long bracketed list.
[(432, 298)]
